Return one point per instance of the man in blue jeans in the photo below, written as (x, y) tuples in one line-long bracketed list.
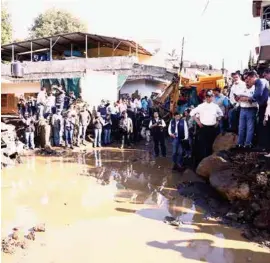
[(178, 131), (260, 96), (248, 112)]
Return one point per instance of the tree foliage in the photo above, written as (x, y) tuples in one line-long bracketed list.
[(54, 22), (6, 27)]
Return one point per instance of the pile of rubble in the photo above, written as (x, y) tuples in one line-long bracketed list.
[(242, 178), (11, 147), (18, 239)]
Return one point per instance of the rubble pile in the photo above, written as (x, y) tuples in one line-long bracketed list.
[(11, 147), (18, 239), (253, 171)]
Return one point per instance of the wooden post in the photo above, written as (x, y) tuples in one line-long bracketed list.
[(12, 53), (98, 49), (113, 49), (31, 51), (50, 49), (181, 61), (86, 45), (222, 70)]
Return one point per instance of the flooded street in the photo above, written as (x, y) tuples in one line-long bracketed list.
[(108, 206)]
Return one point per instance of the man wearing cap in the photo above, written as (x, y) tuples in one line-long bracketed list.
[(207, 116)]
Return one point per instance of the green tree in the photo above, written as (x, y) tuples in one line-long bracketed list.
[(54, 22), (6, 27)]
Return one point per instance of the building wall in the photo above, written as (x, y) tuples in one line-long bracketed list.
[(144, 87), (10, 92), (108, 52), (20, 88), (97, 86)]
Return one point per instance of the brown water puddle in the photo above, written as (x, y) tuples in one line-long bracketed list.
[(118, 208)]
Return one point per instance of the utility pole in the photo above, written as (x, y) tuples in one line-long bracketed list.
[(181, 60), (222, 70)]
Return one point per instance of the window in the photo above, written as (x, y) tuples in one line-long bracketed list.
[(4, 100), (266, 18)]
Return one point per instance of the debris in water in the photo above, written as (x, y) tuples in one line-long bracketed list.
[(39, 228), (8, 245), (31, 235)]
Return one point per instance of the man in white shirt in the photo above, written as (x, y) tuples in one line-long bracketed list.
[(207, 116), (41, 101), (50, 104), (178, 131), (236, 89), (248, 112), (157, 126)]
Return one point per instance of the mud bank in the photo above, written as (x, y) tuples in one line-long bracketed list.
[(238, 193)]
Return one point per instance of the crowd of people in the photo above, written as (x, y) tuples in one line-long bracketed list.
[(243, 108)]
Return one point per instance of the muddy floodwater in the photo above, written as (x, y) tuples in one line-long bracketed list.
[(108, 206)]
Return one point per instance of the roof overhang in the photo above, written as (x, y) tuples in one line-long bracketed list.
[(63, 42)]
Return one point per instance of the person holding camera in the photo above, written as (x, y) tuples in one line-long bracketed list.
[(157, 126)]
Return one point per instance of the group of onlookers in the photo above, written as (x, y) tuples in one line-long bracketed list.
[(54, 118), (244, 108)]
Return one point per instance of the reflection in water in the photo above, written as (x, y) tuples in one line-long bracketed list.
[(98, 158), (114, 184)]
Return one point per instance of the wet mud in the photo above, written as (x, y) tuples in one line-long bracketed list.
[(115, 201)]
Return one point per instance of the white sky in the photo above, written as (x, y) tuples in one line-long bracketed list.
[(218, 34)]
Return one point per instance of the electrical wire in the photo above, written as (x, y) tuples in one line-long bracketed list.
[(206, 6)]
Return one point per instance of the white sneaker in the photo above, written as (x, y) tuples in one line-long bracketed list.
[(267, 155)]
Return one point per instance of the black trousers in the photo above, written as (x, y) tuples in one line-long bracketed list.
[(267, 131), (159, 141), (262, 135), (125, 138), (207, 136)]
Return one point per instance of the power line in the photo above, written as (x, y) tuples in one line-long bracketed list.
[(206, 6)]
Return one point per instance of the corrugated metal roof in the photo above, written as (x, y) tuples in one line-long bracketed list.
[(62, 42)]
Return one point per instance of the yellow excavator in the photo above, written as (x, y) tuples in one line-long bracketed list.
[(172, 92)]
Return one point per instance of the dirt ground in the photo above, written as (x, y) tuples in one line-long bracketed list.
[(108, 205)]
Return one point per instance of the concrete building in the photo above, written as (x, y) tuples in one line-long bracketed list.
[(262, 9), (66, 57)]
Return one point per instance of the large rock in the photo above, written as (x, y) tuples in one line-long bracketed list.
[(226, 183), (211, 164), (262, 221), (190, 176), (225, 142)]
